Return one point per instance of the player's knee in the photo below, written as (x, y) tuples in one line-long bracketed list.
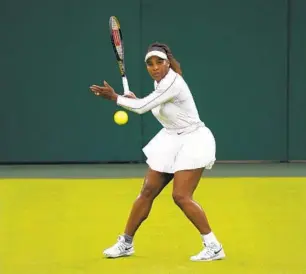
[(180, 199), (148, 193)]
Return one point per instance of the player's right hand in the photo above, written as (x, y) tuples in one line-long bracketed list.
[(130, 95)]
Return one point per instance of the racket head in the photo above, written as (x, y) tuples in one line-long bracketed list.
[(117, 42)]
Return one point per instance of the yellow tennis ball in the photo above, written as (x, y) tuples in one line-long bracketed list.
[(121, 117)]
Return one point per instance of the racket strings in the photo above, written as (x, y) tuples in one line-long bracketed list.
[(117, 38)]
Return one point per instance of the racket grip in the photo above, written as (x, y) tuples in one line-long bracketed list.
[(125, 85)]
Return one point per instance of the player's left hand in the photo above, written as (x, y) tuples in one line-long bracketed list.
[(105, 91)]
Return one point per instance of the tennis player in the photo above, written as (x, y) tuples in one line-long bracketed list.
[(181, 150)]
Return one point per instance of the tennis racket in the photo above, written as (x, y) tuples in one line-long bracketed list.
[(117, 43)]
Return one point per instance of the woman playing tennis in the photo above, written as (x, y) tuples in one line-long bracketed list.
[(181, 150)]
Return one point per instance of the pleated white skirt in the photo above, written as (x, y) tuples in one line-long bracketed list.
[(170, 152)]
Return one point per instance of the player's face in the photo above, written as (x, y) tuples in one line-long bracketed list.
[(157, 67)]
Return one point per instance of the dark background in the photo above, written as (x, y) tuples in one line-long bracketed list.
[(244, 61)]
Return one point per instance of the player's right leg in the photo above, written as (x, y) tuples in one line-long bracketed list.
[(154, 183)]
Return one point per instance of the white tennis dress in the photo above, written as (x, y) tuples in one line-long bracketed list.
[(184, 142)]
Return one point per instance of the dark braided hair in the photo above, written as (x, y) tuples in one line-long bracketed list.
[(175, 65)]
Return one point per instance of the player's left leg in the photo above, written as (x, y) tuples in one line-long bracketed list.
[(184, 184)]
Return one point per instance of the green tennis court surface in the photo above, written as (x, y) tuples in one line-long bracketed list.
[(55, 226)]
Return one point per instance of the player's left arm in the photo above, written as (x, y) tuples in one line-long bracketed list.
[(159, 96), (109, 93), (130, 95)]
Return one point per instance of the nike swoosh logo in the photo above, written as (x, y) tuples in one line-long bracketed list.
[(216, 252), (128, 248)]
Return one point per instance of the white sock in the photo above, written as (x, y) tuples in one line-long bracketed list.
[(210, 238)]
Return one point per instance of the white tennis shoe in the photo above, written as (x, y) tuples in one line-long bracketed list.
[(119, 249), (210, 252)]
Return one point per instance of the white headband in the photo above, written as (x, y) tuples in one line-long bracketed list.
[(157, 53)]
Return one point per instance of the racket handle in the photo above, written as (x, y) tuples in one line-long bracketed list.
[(125, 85)]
